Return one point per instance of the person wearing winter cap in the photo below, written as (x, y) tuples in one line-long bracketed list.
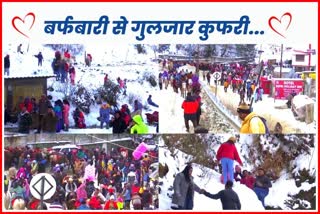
[(251, 122), (227, 153), (111, 204)]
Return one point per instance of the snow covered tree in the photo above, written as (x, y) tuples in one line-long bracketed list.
[(248, 51), (109, 93), (140, 48)]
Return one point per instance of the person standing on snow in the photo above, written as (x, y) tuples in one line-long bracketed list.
[(228, 153), (40, 58), (66, 109), (7, 65), (139, 126), (25, 121), (117, 123), (190, 107), (105, 115), (184, 187), (229, 198), (198, 99)]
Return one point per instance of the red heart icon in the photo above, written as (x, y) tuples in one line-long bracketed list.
[(17, 18), (279, 21)]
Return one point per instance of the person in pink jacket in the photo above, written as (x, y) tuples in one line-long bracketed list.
[(66, 108), (247, 179), (228, 153)]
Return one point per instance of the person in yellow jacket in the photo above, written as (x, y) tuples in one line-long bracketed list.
[(251, 122), (139, 126)]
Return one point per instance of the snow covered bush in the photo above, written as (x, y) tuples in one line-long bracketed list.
[(149, 77), (82, 98), (109, 93)]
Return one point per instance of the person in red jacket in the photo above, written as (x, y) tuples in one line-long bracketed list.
[(190, 107), (247, 179), (228, 153), (111, 204)]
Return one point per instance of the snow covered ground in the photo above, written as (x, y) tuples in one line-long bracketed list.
[(209, 179), (172, 119), (117, 61)]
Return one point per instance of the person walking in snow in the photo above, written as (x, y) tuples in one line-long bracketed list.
[(229, 198), (72, 73), (7, 65), (121, 84), (258, 94), (242, 95), (160, 81), (105, 115), (40, 58), (184, 187), (66, 109), (208, 77), (150, 102), (105, 79), (190, 107), (227, 154), (225, 85), (198, 99), (262, 185), (124, 87), (19, 49)]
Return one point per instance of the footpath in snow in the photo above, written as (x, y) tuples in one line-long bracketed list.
[(266, 108)]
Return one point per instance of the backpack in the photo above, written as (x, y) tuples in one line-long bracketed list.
[(264, 123)]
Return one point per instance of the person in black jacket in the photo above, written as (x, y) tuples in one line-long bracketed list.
[(7, 65), (117, 123), (25, 121), (228, 197)]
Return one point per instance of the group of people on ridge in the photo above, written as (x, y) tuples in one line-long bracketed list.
[(184, 186)]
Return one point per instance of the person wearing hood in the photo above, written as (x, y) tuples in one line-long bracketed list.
[(139, 126), (190, 107), (25, 121), (117, 123), (104, 115), (111, 204), (227, 153), (184, 187)]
